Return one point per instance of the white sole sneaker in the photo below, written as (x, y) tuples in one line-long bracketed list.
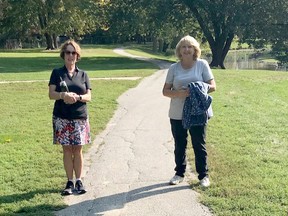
[(205, 182), (176, 180)]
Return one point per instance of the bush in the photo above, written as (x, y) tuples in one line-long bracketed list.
[(280, 51)]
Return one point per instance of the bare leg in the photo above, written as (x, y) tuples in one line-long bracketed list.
[(78, 161), (68, 161)]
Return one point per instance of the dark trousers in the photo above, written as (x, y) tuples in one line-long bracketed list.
[(198, 135)]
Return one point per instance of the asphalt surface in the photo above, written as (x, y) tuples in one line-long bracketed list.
[(129, 165)]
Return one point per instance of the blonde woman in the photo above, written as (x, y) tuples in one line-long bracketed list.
[(190, 68), (70, 88)]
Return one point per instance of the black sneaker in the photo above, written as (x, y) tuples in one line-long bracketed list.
[(68, 189), (79, 187)]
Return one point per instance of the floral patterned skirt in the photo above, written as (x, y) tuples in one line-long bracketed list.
[(71, 132)]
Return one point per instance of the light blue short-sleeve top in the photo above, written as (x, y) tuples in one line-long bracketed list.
[(180, 78)]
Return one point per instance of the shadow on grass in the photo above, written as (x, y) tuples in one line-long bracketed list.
[(100, 205), (42, 209), (37, 210), (24, 196), (44, 64)]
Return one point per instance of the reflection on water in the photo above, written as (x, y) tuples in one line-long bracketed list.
[(241, 60), (253, 64)]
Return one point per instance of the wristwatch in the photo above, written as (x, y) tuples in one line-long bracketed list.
[(80, 97)]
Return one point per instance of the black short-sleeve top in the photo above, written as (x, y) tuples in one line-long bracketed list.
[(79, 83)]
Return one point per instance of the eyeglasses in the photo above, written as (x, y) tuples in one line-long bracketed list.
[(69, 52)]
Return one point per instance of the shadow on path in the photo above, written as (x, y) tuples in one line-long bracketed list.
[(101, 205)]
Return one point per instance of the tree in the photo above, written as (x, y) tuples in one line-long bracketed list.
[(269, 28), (66, 17), (217, 25), (161, 20), (14, 22), (221, 20), (169, 21), (25, 18)]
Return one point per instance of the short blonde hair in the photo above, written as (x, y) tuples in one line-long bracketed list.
[(193, 42), (74, 44)]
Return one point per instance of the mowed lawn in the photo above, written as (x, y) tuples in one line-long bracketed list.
[(248, 144), (247, 141), (247, 137), (31, 168)]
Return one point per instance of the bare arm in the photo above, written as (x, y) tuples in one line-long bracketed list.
[(68, 97), (86, 97), (53, 94), (212, 85), (169, 92), (172, 93)]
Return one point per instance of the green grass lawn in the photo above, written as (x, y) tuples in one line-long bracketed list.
[(247, 142), (98, 62), (31, 167), (247, 137)]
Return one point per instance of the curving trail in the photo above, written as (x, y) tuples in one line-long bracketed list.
[(128, 167)]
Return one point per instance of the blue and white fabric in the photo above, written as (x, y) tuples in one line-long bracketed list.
[(196, 105)]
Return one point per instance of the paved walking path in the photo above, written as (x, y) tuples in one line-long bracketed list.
[(128, 167)]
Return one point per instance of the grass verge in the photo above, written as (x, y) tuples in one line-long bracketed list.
[(247, 143), (247, 137), (31, 168)]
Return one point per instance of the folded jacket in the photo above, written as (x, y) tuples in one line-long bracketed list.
[(195, 110)]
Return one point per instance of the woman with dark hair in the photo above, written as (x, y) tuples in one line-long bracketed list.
[(70, 88)]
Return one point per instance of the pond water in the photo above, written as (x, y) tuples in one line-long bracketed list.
[(242, 60), (253, 64)]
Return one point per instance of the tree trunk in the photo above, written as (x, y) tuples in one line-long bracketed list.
[(161, 43), (165, 47), (55, 42), (216, 57), (49, 42), (220, 50), (154, 44), (219, 32)]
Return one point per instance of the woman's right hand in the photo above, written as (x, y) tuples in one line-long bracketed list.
[(183, 93), (172, 93), (70, 98)]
